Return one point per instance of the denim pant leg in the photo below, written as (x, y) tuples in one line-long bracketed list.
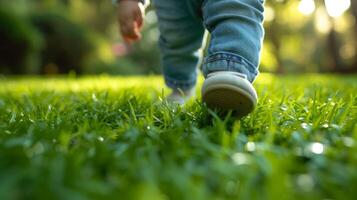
[(236, 35), (181, 34)]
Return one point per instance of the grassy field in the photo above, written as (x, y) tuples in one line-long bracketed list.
[(117, 138)]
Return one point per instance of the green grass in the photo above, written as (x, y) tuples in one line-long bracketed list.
[(116, 138)]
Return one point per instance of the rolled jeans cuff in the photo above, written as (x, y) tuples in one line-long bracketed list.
[(223, 61), (180, 84)]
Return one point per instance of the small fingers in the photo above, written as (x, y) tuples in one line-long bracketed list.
[(139, 19), (130, 31)]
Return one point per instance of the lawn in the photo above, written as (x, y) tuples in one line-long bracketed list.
[(117, 138)]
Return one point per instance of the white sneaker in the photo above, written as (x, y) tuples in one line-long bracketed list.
[(180, 97), (229, 91)]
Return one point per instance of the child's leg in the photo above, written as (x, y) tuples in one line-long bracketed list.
[(233, 55), (181, 38), (236, 35)]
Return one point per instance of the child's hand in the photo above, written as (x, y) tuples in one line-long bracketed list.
[(131, 17)]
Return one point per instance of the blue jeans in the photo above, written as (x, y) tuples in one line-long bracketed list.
[(236, 38)]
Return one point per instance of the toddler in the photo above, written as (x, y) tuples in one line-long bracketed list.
[(233, 53)]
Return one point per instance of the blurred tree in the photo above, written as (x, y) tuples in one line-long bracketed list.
[(335, 40), (20, 44), (57, 36), (334, 46), (97, 15), (295, 43), (274, 31), (354, 13), (67, 44)]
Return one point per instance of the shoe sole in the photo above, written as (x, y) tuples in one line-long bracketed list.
[(227, 95)]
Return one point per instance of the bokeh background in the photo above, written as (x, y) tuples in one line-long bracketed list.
[(81, 37)]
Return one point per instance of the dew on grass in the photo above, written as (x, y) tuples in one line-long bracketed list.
[(306, 126), (250, 146), (335, 127), (94, 97), (291, 150), (284, 108), (240, 159), (316, 148), (348, 141), (100, 138), (325, 126), (305, 182)]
